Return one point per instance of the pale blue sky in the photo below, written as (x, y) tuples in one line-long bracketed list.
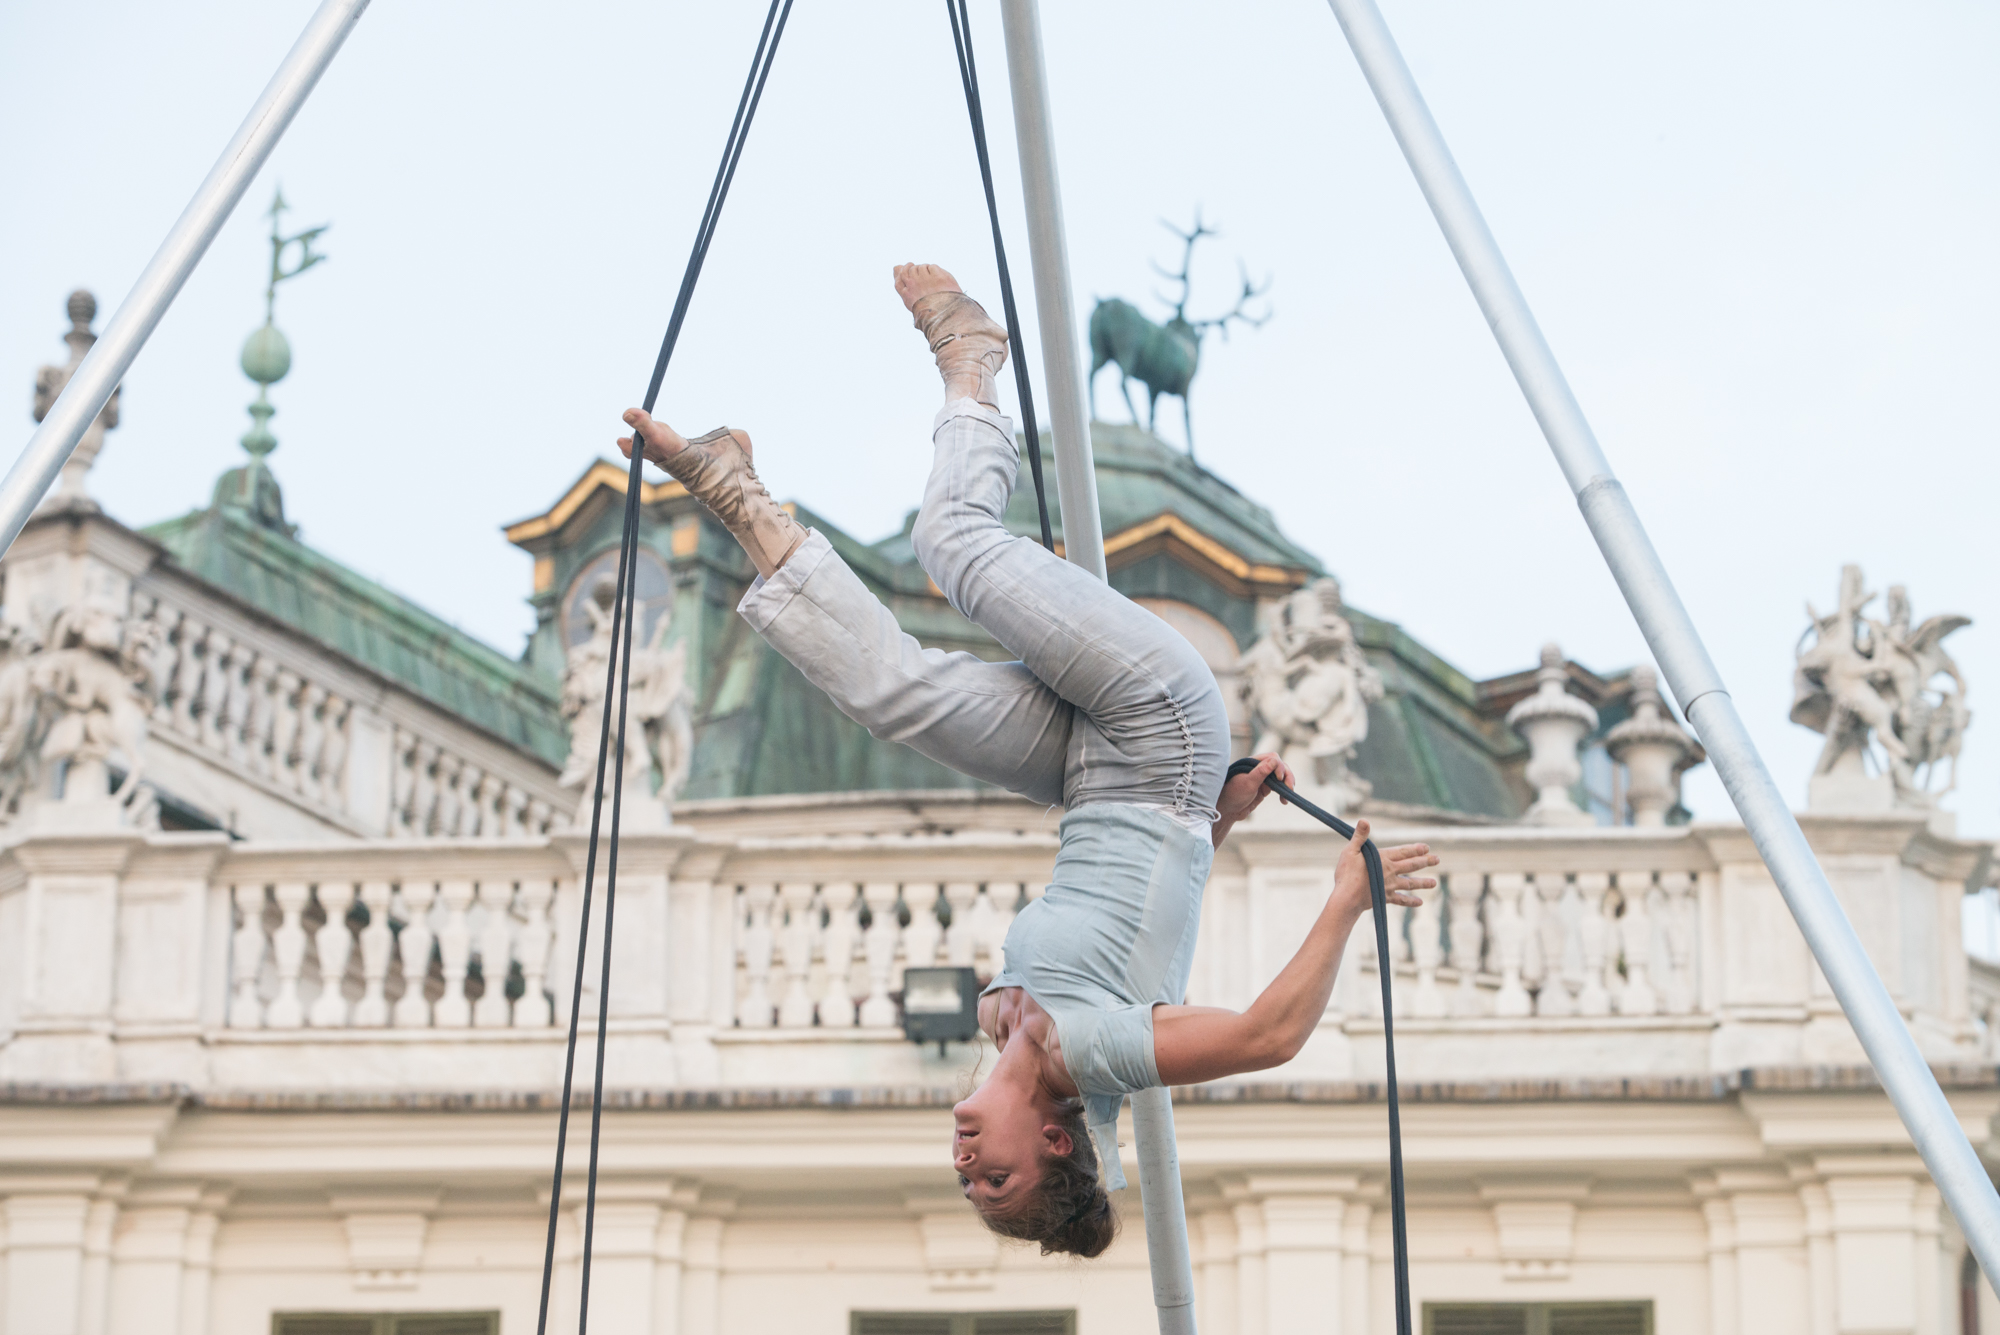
[(1759, 239)]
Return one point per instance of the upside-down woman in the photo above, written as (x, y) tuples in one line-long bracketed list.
[(1109, 712)]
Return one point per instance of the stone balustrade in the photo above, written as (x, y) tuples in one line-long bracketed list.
[(746, 958), (262, 709)]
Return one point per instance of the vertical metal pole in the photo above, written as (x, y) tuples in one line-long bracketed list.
[(1671, 636), (1083, 543), (106, 363), (1166, 1212), (1048, 253)]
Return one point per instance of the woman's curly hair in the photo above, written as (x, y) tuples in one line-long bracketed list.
[(1067, 1211)]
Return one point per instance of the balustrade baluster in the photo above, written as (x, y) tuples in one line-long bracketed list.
[(1367, 999), (246, 957), (496, 935), (372, 1011), (453, 1010), (985, 945), (236, 709), (1635, 937), (1592, 998), (415, 940), (214, 703), (1426, 949), (541, 816), (1468, 939), (304, 770), (402, 781), (169, 672), (260, 715), (923, 932), (879, 1010), (187, 698), (840, 901), (1681, 920), (1009, 898), (534, 1009), (1510, 943), (1556, 998), (423, 791), (795, 1011), (285, 725), (288, 948), (450, 798), (961, 939), (514, 804), (334, 944), (756, 1011), (339, 714)]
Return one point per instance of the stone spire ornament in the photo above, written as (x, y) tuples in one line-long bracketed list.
[(1654, 749), (49, 383), (267, 359), (1554, 723)]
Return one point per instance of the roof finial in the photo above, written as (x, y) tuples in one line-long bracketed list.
[(267, 358), (49, 382)]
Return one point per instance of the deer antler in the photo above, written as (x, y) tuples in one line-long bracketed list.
[(1250, 293), (1187, 259)]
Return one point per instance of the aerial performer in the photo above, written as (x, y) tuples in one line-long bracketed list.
[(1108, 712)]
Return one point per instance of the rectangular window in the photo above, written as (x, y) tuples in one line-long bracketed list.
[(385, 1323), (1538, 1318), (962, 1323)]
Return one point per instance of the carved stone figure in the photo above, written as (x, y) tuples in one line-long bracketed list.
[(659, 723), (1309, 686), (1161, 357), (1866, 683), (70, 701), (49, 384)]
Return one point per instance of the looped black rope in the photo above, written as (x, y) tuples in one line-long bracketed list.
[(616, 679), (1378, 896), (968, 75)]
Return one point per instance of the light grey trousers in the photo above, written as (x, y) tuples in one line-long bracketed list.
[(1107, 703)]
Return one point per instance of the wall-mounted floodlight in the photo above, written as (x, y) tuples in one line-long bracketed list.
[(940, 1005)]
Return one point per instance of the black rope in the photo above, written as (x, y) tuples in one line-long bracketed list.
[(1378, 896), (968, 75), (616, 680)]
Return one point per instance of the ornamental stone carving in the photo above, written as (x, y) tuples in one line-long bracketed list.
[(1888, 699), (50, 382), (1654, 750), (659, 722), (1308, 686), (72, 700), (1554, 723)]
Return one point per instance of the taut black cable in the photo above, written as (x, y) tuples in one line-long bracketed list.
[(616, 682), (1378, 895), (968, 75)]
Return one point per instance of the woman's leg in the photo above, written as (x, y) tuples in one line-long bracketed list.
[(996, 722), (1151, 726)]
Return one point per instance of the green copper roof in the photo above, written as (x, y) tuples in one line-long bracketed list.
[(356, 617)]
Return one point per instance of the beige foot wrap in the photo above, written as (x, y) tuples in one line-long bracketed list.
[(717, 472), (970, 348)]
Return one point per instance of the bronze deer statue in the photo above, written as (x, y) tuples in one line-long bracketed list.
[(1162, 357)]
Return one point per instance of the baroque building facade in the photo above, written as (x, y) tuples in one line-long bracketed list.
[(289, 899)]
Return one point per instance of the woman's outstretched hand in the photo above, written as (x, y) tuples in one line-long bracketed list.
[(1399, 867)]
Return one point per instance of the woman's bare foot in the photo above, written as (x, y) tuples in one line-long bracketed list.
[(969, 347), (917, 281)]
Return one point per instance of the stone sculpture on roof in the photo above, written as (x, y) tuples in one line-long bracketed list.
[(1864, 682), (49, 384), (659, 718), (1309, 686)]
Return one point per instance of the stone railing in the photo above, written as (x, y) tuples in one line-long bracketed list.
[(753, 959), (1514, 944), (245, 702)]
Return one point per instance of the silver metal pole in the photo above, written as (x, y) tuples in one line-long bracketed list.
[(1048, 253), (1671, 636), (1083, 543), (106, 363), (1166, 1212)]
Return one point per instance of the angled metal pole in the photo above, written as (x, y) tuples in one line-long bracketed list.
[(1083, 543), (1048, 254), (1671, 635), (108, 360)]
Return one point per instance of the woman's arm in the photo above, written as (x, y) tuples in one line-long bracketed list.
[(1243, 794), (1196, 1043)]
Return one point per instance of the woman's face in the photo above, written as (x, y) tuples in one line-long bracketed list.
[(997, 1143)]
